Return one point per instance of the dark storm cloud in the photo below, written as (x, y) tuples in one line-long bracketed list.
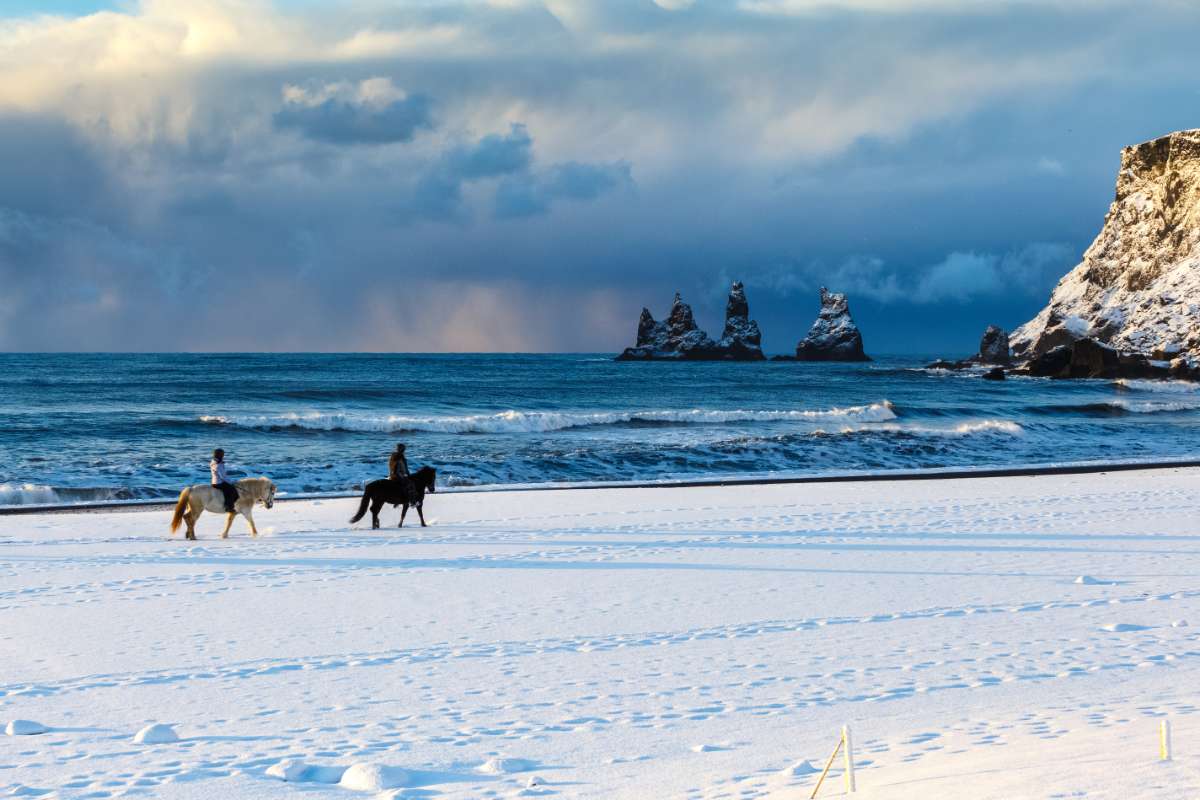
[(343, 122), (528, 194)]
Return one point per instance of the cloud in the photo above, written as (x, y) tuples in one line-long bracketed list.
[(530, 194), (493, 155), (326, 150), (959, 277), (375, 113)]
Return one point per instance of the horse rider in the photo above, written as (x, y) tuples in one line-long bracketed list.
[(398, 471), (220, 479)]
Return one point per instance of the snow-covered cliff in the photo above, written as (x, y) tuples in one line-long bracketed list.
[(1138, 287)]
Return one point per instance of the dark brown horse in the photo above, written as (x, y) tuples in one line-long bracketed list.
[(391, 491)]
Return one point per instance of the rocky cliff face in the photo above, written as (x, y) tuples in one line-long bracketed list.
[(678, 338), (834, 336), (1138, 287)]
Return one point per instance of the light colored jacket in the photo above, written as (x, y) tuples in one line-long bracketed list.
[(219, 475)]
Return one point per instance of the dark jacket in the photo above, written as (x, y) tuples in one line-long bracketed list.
[(397, 466)]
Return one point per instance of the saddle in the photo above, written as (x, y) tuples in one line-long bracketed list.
[(410, 488)]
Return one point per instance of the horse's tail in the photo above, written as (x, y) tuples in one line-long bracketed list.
[(180, 508), (362, 507)]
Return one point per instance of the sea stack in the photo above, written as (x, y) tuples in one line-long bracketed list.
[(834, 336), (1136, 289), (678, 338), (741, 339), (994, 347)]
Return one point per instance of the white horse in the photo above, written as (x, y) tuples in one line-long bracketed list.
[(195, 500)]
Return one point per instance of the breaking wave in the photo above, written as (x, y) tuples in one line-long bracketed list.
[(34, 494), (1119, 408), (1001, 426), (27, 494), (1138, 385), (541, 421)]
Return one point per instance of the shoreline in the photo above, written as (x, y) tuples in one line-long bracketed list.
[(932, 474)]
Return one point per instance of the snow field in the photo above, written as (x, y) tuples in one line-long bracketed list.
[(631, 643)]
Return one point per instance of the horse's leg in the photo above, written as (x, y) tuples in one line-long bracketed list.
[(376, 506), (228, 524), (193, 515), (403, 514), (250, 518), (421, 513)]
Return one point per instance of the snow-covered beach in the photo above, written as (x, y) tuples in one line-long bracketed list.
[(987, 637)]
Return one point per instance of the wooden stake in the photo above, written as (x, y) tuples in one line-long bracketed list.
[(825, 771), (1164, 740), (848, 748)]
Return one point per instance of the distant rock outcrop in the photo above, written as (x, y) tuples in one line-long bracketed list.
[(1137, 290), (993, 351), (993, 348), (834, 336), (678, 338), (741, 338)]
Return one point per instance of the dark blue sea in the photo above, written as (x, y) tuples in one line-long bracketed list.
[(109, 427)]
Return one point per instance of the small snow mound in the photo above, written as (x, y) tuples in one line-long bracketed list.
[(24, 727), (505, 766), (365, 777), (1179, 623), (289, 770), (1087, 580), (706, 748), (534, 782), (156, 734), (1123, 627), (800, 768)]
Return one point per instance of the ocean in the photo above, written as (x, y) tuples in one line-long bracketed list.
[(88, 428)]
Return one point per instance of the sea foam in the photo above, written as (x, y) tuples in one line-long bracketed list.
[(542, 421)]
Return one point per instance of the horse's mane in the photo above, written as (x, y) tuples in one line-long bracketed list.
[(258, 485)]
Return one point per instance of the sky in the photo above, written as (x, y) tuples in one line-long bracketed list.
[(526, 175)]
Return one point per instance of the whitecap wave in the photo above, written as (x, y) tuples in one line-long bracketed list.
[(26, 494), (989, 426), (1139, 385), (542, 421), (1001, 426), (1153, 407)]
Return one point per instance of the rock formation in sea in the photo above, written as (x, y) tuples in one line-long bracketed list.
[(993, 347), (834, 336), (1137, 290), (678, 338), (741, 339), (993, 351)]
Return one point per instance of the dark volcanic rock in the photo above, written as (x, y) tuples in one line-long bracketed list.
[(942, 363), (741, 338), (834, 336), (679, 339), (1087, 358), (993, 348), (650, 333), (994, 374)]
